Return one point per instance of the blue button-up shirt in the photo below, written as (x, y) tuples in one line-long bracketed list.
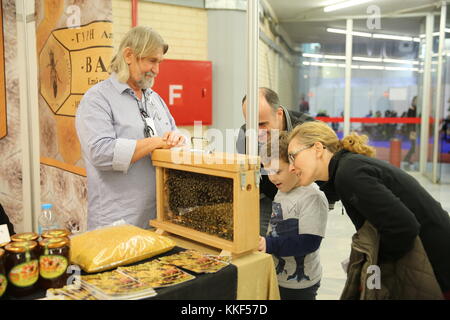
[(109, 123)]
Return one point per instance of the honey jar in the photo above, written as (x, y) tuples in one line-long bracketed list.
[(26, 236), (53, 262), (56, 233), (3, 280), (22, 267)]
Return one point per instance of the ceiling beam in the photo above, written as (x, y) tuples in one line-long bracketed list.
[(310, 15)]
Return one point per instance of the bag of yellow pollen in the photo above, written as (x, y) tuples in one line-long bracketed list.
[(110, 247)]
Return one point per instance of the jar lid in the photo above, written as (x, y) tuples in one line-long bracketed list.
[(52, 243), (26, 236), (56, 233), (3, 244), (21, 246)]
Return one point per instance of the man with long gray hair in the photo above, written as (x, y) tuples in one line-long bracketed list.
[(120, 121)]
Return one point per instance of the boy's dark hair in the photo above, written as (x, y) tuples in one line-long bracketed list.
[(281, 153)]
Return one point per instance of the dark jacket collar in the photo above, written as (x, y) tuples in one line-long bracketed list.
[(328, 186)]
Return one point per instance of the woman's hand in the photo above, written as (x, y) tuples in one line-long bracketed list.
[(262, 244)]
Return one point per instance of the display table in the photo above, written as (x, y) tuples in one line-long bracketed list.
[(250, 277)]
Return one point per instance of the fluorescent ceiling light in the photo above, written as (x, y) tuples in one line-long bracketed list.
[(323, 64), (401, 69), (374, 35), (391, 37), (328, 56), (400, 61), (353, 66), (364, 67), (344, 4), (367, 59), (372, 67), (361, 34), (355, 33), (333, 30), (312, 55)]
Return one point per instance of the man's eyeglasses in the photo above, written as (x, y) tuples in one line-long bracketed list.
[(293, 155), (148, 131)]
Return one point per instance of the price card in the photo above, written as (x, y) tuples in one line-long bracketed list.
[(4, 234)]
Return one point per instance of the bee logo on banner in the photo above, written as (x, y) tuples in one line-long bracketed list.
[(72, 61)]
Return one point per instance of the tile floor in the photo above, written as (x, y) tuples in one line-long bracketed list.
[(336, 245)]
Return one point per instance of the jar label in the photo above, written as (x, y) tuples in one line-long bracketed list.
[(3, 284), (25, 274), (52, 266)]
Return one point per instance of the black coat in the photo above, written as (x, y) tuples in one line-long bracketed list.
[(396, 205), (5, 220)]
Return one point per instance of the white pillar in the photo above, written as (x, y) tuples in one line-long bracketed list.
[(437, 115), (426, 93), (252, 77), (348, 76), (29, 112)]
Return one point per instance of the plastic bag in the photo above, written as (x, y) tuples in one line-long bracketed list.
[(114, 246)]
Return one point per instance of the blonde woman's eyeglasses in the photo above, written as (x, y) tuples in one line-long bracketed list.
[(293, 155)]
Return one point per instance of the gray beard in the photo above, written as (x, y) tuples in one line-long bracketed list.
[(144, 83)]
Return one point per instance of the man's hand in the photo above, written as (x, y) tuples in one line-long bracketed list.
[(262, 244), (146, 146), (173, 139)]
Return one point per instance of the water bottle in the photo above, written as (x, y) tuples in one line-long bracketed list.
[(47, 219)]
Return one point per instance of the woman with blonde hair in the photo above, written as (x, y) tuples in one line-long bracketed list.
[(372, 190)]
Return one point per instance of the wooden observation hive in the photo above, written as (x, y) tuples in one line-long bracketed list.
[(208, 198)]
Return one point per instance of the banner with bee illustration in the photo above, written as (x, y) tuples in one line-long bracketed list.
[(74, 50)]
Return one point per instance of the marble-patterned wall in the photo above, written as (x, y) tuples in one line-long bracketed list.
[(64, 189), (10, 148)]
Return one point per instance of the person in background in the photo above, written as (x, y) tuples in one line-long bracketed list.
[(371, 190), (411, 131), (272, 116), (120, 122), (303, 105), (446, 126), (297, 227)]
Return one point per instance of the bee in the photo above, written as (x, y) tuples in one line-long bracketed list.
[(201, 202), (54, 78)]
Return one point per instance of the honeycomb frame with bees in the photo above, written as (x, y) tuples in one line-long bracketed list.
[(209, 198)]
